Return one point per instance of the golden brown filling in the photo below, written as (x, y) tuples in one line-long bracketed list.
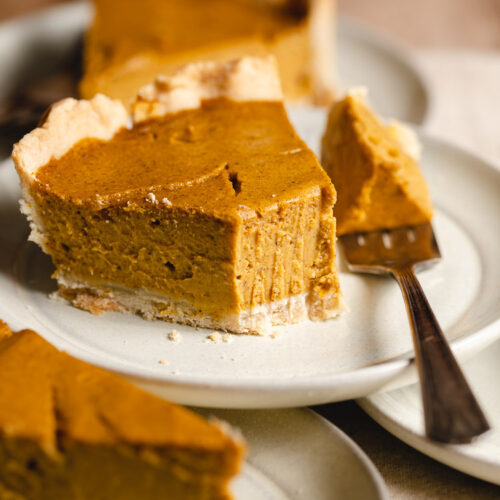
[(379, 185), (222, 207), (182, 255), (106, 439), (293, 248), (129, 47), (249, 146)]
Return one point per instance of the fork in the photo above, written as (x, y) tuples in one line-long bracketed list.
[(451, 412)]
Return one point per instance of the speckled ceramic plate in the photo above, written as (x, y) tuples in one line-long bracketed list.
[(298, 455)]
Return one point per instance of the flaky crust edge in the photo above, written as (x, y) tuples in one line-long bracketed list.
[(65, 123), (258, 320), (244, 79)]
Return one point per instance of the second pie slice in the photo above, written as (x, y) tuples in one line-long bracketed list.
[(208, 210)]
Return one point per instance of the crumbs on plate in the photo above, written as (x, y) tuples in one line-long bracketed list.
[(174, 336)]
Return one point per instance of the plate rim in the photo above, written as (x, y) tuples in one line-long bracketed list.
[(373, 474), (450, 455)]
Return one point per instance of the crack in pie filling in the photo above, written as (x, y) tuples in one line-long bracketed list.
[(204, 208)]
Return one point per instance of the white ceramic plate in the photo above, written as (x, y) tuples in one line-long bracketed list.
[(33, 45), (298, 455), (400, 412), (365, 351)]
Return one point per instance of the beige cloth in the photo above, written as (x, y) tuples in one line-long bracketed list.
[(466, 88), (407, 473)]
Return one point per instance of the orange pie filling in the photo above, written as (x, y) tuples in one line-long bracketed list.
[(375, 170), (69, 430)]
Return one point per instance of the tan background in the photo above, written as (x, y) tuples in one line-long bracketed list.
[(456, 41), (473, 24), (466, 24)]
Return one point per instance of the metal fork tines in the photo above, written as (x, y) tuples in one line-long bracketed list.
[(451, 412)]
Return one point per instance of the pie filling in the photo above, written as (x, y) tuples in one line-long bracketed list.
[(379, 182), (69, 430), (222, 220)]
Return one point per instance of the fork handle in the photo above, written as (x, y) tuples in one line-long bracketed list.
[(451, 412)]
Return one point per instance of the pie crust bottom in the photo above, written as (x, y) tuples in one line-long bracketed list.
[(258, 320)]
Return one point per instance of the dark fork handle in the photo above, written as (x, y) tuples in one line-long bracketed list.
[(451, 412)]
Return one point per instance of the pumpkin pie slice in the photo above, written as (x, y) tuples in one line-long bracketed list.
[(375, 169), (208, 210), (71, 431), (127, 47)]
